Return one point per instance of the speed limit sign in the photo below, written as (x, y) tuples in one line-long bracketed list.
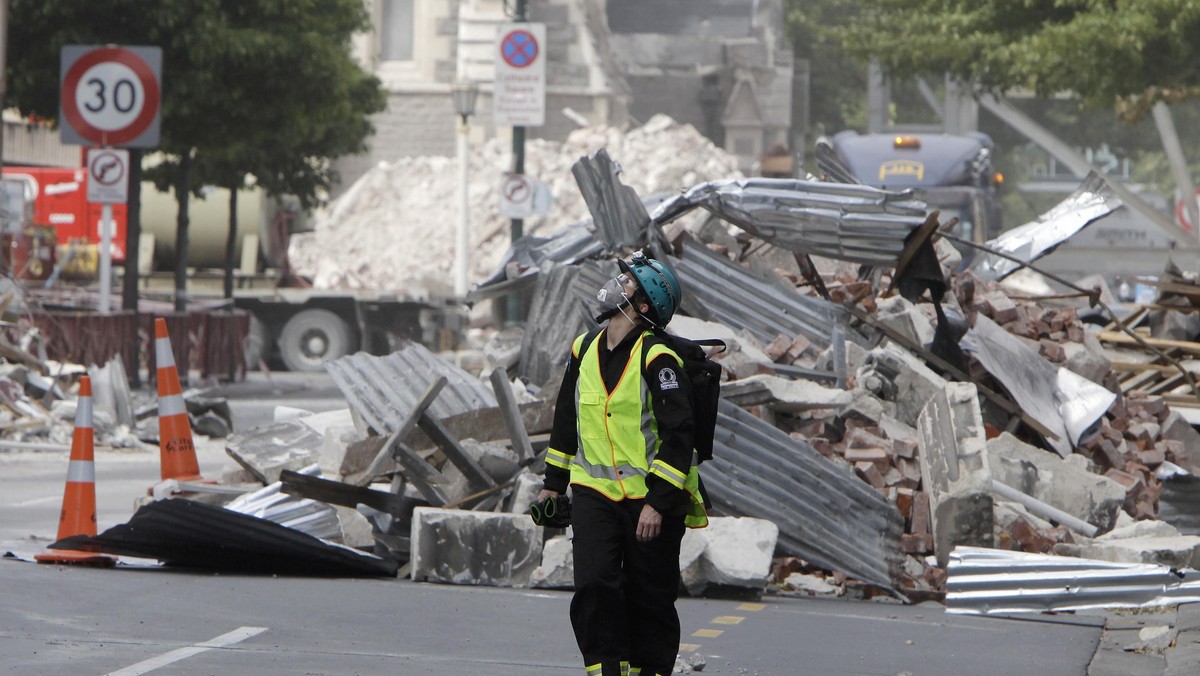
[(109, 96)]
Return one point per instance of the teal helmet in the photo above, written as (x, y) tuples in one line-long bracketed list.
[(658, 284)]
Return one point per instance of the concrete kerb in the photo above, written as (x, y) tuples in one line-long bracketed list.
[(1128, 647)]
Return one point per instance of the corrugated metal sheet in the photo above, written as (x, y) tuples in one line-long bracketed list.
[(318, 519), (559, 312), (37, 144), (855, 223), (984, 581), (385, 390), (187, 533), (617, 211), (826, 514), (719, 290), (572, 244), (1092, 200)]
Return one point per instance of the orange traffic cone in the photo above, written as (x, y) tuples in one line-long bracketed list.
[(78, 515), (176, 450)]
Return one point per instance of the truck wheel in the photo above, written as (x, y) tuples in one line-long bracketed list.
[(311, 338)]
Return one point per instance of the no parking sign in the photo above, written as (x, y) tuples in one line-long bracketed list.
[(520, 86)]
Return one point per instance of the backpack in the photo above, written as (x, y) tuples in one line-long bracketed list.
[(705, 377)]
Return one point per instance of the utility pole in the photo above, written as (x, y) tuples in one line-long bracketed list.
[(3, 70), (518, 136)]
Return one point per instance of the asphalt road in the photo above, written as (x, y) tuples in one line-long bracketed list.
[(141, 618), (61, 620)]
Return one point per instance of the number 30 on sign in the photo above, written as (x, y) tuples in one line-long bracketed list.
[(110, 95)]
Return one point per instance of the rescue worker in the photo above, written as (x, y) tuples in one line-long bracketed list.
[(622, 440)]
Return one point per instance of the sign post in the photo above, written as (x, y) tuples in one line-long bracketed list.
[(108, 181), (519, 97), (110, 96)]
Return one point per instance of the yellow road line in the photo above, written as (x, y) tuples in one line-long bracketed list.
[(727, 619), (708, 633)]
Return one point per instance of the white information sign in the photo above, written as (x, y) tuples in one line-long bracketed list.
[(520, 86)]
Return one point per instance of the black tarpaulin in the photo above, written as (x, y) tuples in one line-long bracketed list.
[(186, 533)]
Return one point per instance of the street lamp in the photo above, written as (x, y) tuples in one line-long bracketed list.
[(464, 94)]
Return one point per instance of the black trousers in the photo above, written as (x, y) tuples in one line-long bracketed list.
[(625, 590)]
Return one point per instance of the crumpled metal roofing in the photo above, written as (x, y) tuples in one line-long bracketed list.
[(717, 289), (1066, 403), (529, 254), (318, 519), (983, 581), (617, 211), (386, 390), (1092, 200), (188, 533), (825, 513), (561, 309), (855, 223)]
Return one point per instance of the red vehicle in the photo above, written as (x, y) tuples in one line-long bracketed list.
[(60, 201)]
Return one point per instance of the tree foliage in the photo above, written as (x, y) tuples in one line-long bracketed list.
[(262, 87), (1127, 54)]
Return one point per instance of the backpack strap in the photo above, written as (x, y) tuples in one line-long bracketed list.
[(583, 342)]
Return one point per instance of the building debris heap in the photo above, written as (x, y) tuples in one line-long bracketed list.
[(885, 401)]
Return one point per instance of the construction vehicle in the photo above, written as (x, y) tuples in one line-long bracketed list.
[(292, 325), (952, 173)]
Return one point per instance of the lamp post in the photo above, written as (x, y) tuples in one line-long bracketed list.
[(464, 106)]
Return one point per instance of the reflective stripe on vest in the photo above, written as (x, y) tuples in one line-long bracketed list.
[(615, 458)]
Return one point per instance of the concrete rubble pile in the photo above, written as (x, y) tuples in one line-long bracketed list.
[(403, 212), (959, 452), (37, 406)]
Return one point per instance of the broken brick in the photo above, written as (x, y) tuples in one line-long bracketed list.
[(870, 473), (911, 543), (920, 517)]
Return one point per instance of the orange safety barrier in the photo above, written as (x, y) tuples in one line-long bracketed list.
[(78, 515), (177, 452)]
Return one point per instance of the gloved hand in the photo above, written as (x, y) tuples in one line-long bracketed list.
[(553, 512)]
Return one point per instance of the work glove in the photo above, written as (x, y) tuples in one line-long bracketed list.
[(553, 512)]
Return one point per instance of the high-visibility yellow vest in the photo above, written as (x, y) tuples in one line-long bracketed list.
[(618, 433)]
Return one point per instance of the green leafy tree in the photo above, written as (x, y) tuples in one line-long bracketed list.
[(262, 88), (1124, 53)]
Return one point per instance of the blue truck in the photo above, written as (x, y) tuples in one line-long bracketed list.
[(952, 173)]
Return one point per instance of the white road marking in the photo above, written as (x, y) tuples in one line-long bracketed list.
[(236, 636), (36, 501)]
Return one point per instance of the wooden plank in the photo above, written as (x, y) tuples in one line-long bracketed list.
[(377, 465), (1161, 343), (476, 476), (338, 493), (480, 494), (1134, 367), (421, 474), (512, 416)]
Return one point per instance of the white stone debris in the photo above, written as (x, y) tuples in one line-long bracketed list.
[(394, 228)]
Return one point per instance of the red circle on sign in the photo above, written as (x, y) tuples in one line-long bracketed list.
[(102, 178), (71, 106), (519, 49)]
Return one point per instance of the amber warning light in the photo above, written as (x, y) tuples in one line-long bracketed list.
[(907, 142)]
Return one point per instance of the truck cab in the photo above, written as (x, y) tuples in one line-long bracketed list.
[(951, 173)]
